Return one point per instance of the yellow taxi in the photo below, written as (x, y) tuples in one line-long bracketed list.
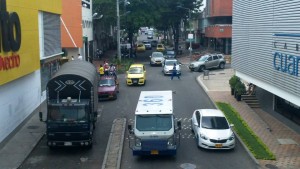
[(140, 48), (136, 75), (160, 48)]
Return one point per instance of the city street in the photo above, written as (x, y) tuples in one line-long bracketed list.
[(188, 96)]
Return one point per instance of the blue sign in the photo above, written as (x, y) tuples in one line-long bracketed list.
[(286, 63)]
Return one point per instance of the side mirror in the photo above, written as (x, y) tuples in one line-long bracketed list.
[(196, 124), (41, 116), (149, 56), (179, 125), (130, 128)]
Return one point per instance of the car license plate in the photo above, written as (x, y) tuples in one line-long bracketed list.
[(68, 143), (135, 81), (218, 145), (154, 152)]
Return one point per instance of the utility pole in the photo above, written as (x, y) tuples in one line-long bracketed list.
[(118, 32)]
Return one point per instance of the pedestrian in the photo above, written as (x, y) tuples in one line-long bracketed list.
[(174, 72), (106, 68), (79, 56), (112, 70), (101, 70)]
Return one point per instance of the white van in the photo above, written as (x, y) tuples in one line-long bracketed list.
[(154, 129)]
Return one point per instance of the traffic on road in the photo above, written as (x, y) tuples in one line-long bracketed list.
[(186, 97)]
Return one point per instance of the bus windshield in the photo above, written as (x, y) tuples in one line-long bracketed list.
[(68, 114), (153, 122)]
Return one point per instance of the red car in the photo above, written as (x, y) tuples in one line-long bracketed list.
[(108, 88)]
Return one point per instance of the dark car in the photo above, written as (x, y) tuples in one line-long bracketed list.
[(154, 43), (170, 54), (147, 45), (108, 88)]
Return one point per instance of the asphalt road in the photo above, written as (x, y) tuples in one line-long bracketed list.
[(188, 97)]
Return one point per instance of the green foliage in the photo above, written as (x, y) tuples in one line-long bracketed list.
[(233, 81), (122, 66), (253, 143), (240, 88)]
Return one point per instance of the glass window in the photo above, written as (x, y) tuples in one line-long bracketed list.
[(153, 122), (135, 70), (107, 82), (212, 122), (67, 113), (215, 57)]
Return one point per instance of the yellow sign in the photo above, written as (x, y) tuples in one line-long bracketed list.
[(19, 40)]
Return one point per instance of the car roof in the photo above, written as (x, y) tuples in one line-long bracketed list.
[(171, 59), (107, 77), (211, 112), (136, 65)]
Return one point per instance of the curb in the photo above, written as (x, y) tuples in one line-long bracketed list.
[(109, 153), (245, 147)]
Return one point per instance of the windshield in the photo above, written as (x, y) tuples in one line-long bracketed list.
[(170, 62), (157, 54), (67, 114), (153, 122), (170, 52), (107, 82), (203, 58), (135, 70), (212, 122)]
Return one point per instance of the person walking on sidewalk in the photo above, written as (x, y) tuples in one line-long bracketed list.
[(174, 72)]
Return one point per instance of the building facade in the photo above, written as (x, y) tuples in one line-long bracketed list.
[(71, 27), (215, 26), (265, 50), (29, 54)]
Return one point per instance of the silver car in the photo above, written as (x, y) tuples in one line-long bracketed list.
[(208, 61), (168, 66), (156, 58)]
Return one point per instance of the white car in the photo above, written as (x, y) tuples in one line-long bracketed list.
[(156, 58), (168, 66), (212, 130)]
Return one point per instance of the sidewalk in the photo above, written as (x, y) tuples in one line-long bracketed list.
[(282, 140)]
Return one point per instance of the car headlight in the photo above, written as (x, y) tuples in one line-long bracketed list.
[(138, 142), (171, 141), (231, 137), (203, 137)]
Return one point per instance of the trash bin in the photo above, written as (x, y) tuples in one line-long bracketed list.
[(206, 73)]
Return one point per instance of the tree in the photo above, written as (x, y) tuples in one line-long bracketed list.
[(163, 15)]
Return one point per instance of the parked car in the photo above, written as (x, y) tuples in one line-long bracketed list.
[(108, 88), (156, 58), (212, 130), (170, 54), (160, 48), (168, 66), (147, 45), (208, 61), (136, 75), (141, 48)]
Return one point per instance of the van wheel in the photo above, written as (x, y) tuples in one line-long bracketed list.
[(201, 68), (222, 65)]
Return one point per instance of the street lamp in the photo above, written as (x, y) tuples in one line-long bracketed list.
[(190, 36)]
